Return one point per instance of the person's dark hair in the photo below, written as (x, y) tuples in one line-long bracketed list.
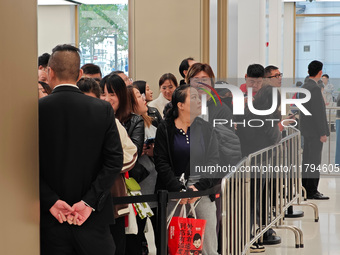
[(89, 85), (91, 69), (184, 66), (199, 67), (43, 60), (325, 75), (116, 72), (255, 71), (263, 100), (134, 103), (268, 70), (65, 62), (140, 85), (178, 96), (298, 84), (168, 76), (314, 68), (46, 87), (197, 236), (115, 84)]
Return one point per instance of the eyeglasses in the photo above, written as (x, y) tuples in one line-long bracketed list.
[(276, 75), (200, 80), (143, 97), (128, 79)]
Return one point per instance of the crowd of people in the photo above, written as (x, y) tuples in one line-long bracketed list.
[(103, 137)]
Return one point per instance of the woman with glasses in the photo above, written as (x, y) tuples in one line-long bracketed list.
[(147, 93), (167, 85), (202, 77)]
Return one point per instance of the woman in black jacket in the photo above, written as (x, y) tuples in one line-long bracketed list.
[(115, 92), (184, 144)]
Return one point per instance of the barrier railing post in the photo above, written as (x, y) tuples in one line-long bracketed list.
[(162, 247)]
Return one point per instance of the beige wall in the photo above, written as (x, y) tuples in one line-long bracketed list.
[(19, 195), (162, 34), (56, 26), (289, 41)]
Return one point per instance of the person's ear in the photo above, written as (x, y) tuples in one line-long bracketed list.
[(80, 74), (185, 72), (180, 106), (245, 76), (50, 73)]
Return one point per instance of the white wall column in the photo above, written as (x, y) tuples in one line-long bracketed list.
[(56, 26), (232, 38), (288, 41), (246, 33), (275, 33)]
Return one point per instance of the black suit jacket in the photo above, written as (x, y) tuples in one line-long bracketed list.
[(80, 153), (314, 125)]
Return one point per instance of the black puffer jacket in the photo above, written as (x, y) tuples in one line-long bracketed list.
[(220, 112), (229, 146)]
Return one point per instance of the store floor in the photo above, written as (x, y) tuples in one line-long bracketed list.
[(320, 238)]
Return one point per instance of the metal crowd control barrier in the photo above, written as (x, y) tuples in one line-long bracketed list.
[(331, 118), (256, 195)]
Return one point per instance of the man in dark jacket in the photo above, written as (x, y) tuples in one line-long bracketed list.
[(80, 157), (314, 129)]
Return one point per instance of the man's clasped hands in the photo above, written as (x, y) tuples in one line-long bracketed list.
[(75, 215)]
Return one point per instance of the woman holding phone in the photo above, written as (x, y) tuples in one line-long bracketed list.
[(184, 141)]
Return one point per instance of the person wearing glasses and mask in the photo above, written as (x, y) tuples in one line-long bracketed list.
[(202, 76), (128, 81)]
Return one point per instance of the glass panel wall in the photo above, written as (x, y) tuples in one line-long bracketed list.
[(318, 37), (103, 36)]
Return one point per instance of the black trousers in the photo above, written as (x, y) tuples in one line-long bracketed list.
[(118, 234), (312, 151), (134, 242), (65, 239)]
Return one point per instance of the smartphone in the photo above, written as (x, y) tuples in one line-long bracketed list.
[(149, 141)]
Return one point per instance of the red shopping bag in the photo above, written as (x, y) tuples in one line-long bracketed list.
[(185, 236)]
